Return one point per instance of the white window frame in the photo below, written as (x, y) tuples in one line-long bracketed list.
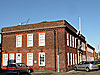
[(75, 58), (42, 39), (71, 58), (29, 59), (11, 57), (43, 63), (19, 41), (18, 59), (67, 39), (5, 59), (29, 40), (73, 41), (70, 40), (68, 59)]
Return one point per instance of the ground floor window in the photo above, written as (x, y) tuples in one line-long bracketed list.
[(68, 59), (29, 59), (18, 57), (11, 58), (71, 58), (75, 58), (41, 58), (5, 59)]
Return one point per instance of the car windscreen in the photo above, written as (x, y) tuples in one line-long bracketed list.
[(22, 65), (98, 62), (11, 65)]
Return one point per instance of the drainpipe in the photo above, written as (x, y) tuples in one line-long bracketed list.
[(58, 50), (55, 48)]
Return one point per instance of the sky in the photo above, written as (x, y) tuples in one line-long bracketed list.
[(12, 12)]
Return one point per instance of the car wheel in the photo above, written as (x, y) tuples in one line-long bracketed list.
[(75, 69), (87, 69), (29, 71)]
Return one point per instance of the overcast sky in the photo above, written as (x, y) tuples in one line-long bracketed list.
[(12, 12)]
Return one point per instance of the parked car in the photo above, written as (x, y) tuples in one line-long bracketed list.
[(86, 65), (98, 62), (18, 68)]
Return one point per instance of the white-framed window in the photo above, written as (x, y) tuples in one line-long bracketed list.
[(42, 59), (41, 39), (29, 59), (78, 42), (70, 40), (73, 41), (5, 59), (68, 59), (71, 58), (75, 58), (18, 57), (19, 41), (29, 40), (67, 39), (11, 58)]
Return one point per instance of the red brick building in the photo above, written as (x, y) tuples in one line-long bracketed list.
[(38, 45)]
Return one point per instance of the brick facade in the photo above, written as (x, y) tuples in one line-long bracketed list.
[(55, 43)]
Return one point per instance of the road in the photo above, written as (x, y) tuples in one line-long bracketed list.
[(63, 73)]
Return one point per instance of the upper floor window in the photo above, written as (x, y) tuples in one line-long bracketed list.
[(41, 39), (29, 40), (73, 41), (70, 41), (67, 39), (19, 41)]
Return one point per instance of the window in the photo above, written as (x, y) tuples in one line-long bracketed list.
[(67, 39), (41, 39), (70, 41), (73, 41), (29, 40), (71, 58), (19, 41), (68, 59), (42, 59), (18, 57), (29, 59), (11, 58), (5, 59), (75, 58)]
